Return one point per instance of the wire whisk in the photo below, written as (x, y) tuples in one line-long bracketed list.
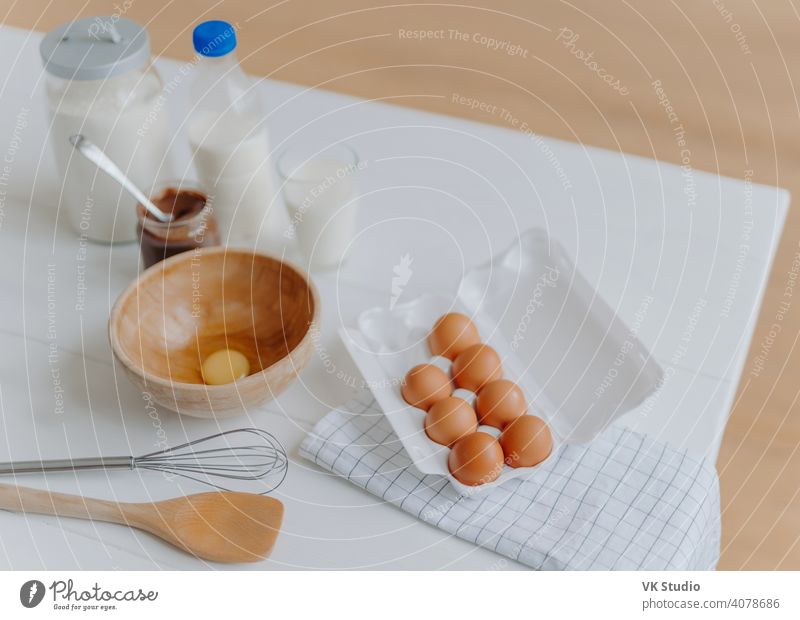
[(244, 455)]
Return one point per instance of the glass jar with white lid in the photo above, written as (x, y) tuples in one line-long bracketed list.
[(101, 83)]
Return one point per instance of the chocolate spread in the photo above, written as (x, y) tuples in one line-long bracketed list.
[(193, 226)]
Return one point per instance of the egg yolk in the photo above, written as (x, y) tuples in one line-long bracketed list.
[(225, 366)]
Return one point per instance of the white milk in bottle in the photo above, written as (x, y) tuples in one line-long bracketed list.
[(229, 140)]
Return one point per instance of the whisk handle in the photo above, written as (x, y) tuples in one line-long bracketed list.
[(53, 465)]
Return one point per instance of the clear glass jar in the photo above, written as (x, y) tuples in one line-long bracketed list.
[(194, 225), (108, 91)]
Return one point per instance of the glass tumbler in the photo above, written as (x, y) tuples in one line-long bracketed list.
[(319, 189)]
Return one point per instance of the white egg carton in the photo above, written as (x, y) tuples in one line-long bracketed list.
[(578, 364)]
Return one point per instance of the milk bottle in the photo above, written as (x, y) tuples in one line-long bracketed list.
[(229, 139)]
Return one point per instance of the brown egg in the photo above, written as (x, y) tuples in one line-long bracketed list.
[(449, 420), (476, 459), (424, 385), (451, 334), (500, 402), (526, 441), (476, 366)]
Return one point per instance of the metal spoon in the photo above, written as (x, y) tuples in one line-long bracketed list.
[(94, 154)]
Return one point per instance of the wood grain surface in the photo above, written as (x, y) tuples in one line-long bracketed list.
[(220, 526), (729, 67), (181, 310)]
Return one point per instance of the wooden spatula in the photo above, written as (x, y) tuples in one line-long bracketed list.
[(221, 527)]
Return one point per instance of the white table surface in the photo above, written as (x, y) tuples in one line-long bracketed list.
[(448, 192)]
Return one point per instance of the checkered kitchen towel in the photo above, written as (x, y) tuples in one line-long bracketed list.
[(623, 502)]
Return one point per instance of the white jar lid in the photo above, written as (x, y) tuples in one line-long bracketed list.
[(95, 48)]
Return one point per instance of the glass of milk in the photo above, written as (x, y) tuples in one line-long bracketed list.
[(318, 184)]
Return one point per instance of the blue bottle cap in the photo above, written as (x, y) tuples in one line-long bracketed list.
[(214, 38)]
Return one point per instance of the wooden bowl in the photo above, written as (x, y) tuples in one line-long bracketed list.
[(182, 309)]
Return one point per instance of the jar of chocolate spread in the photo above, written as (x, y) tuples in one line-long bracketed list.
[(193, 224)]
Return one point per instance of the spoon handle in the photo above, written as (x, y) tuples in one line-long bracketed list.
[(24, 499), (94, 154)]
